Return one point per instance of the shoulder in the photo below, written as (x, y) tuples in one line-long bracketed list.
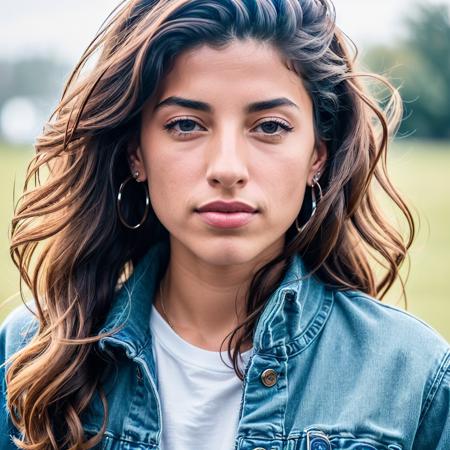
[(15, 330), (398, 346), (17, 327), (375, 318), (394, 336)]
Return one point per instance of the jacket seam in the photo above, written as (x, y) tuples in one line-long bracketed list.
[(144, 345), (309, 334), (120, 437), (437, 380), (316, 327)]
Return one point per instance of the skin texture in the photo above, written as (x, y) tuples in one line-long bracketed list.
[(228, 155)]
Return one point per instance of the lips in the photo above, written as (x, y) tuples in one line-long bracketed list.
[(227, 207)]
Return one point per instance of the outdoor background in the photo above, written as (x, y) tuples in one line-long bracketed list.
[(407, 41)]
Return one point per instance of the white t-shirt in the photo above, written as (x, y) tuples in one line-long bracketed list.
[(200, 395)]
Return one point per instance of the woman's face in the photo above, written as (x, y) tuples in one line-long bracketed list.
[(228, 143)]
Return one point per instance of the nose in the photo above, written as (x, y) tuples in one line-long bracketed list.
[(227, 165)]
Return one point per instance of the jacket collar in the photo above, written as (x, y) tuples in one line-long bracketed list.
[(289, 313)]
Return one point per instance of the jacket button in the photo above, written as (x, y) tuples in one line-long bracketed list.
[(269, 377), (317, 440), (320, 443)]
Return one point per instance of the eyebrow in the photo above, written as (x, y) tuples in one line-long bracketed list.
[(206, 107)]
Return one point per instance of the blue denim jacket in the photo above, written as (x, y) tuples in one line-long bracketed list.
[(349, 371)]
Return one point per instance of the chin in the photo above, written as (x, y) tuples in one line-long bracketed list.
[(228, 250)]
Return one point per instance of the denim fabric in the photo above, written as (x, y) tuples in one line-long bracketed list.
[(351, 372)]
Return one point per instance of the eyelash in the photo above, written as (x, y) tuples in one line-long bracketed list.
[(170, 127)]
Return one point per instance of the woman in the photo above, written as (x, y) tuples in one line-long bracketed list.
[(210, 187)]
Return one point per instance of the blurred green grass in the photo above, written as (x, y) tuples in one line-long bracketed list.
[(420, 170)]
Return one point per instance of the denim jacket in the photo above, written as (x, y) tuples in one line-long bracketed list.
[(330, 370)]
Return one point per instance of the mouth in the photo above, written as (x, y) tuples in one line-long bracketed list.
[(221, 219), (227, 207), (221, 214)]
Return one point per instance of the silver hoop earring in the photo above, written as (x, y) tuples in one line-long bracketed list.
[(135, 176), (313, 202)]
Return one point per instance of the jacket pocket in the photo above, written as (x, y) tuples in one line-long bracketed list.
[(112, 442), (318, 439)]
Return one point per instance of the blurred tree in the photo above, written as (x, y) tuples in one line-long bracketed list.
[(40, 80), (420, 65), (42, 77)]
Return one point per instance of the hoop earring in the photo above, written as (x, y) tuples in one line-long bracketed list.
[(135, 176), (313, 202)]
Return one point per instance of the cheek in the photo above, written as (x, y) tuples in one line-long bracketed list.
[(284, 182), (286, 190), (171, 181)]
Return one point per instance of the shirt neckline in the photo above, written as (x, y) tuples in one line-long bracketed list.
[(189, 353)]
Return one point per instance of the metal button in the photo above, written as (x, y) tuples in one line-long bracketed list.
[(269, 377), (320, 444), (317, 440)]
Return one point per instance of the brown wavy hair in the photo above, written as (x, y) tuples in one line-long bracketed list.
[(70, 214)]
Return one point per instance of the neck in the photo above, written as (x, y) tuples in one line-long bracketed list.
[(205, 302)]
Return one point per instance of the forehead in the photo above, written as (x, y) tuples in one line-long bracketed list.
[(236, 56), (241, 71)]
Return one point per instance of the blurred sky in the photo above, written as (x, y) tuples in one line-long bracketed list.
[(65, 27)]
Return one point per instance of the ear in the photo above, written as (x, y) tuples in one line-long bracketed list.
[(317, 161), (136, 162)]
